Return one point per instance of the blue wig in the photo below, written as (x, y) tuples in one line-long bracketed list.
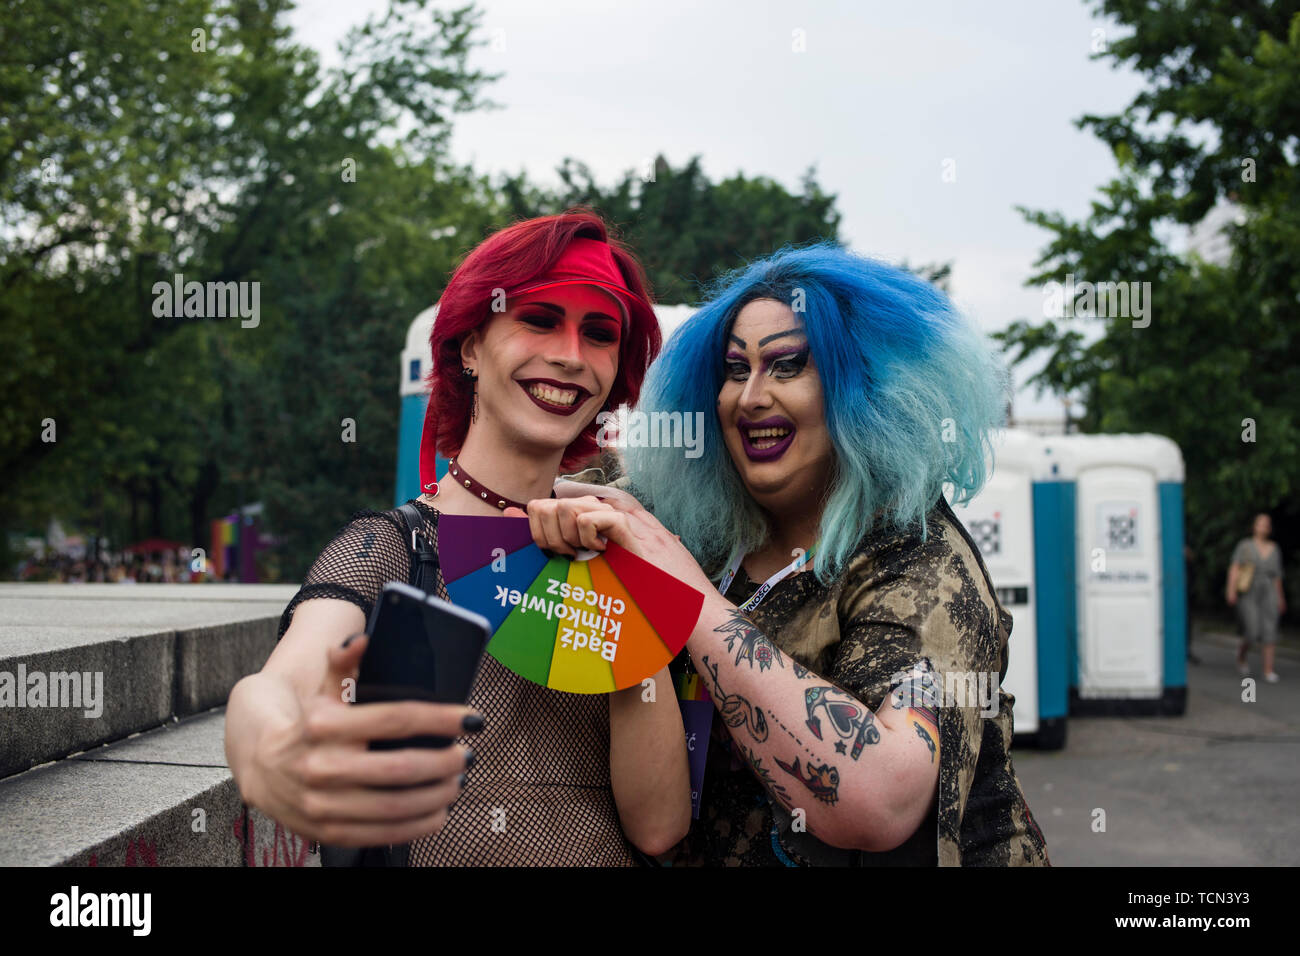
[(912, 393)]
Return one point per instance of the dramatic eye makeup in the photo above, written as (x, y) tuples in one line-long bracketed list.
[(783, 361), (535, 317), (786, 362), (602, 329), (736, 366), (599, 327)]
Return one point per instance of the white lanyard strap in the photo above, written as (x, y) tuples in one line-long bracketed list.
[(757, 598)]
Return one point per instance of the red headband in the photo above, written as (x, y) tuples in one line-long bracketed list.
[(583, 262)]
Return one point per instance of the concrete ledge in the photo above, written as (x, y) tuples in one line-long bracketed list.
[(211, 660), (267, 843), (133, 676), (130, 803), (149, 592), (157, 651), (162, 798)]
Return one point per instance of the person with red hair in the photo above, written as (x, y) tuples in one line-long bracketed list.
[(543, 325)]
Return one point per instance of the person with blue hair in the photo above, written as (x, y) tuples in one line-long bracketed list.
[(851, 639)]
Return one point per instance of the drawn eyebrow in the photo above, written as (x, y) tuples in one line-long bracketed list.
[(799, 354), (551, 306), (559, 311), (776, 335), (739, 341)]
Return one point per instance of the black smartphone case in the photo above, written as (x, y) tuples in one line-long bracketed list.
[(421, 648), (424, 575)]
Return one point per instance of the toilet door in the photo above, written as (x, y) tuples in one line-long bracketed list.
[(1119, 588)]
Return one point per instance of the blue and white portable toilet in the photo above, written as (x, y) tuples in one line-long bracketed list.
[(1004, 522), (416, 361), (1130, 588)]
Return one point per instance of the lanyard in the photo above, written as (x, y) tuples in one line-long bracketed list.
[(767, 585), (694, 700)]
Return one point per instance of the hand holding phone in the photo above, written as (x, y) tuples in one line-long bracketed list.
[(420, 648)]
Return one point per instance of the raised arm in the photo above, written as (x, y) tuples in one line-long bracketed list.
[(863, 781), (300, 753), (868, 787)]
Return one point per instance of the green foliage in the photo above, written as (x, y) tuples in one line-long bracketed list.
[(128, 156), (1218, 122), (687, 229)]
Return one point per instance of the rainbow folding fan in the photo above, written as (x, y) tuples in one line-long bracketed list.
[(583, 626)]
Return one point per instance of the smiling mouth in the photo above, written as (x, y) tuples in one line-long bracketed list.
[(761, 438), (766, 440), (555, 397)]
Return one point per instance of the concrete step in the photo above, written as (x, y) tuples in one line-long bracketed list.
[(141, 655), (160, 798)]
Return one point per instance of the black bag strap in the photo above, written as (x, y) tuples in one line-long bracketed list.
[(424, 571), (425, 565), (425, 577)]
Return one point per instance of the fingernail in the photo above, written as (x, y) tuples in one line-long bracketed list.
[(470, 757), (472, 723), (462, 780)]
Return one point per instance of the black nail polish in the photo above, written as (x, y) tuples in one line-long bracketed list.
[(462, 780), (472, 723), (470, 757)]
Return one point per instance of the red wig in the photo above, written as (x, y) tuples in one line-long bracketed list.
[(506, 260)]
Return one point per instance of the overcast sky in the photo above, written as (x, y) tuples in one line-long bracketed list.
[(883, 99)]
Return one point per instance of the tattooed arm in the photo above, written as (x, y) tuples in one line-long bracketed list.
[(864, 781)]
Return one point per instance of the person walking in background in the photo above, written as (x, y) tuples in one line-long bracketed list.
[(1255, 589)]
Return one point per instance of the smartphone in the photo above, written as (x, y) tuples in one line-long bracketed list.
[(421, 648)]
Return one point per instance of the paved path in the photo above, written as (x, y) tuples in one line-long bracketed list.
[(1219, 786)]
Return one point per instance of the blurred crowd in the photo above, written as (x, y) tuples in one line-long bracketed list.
[(160, 568)]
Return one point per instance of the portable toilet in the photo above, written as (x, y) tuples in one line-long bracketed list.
[(1003, 521), (416, 361), (1130, 590), (1055, 604)]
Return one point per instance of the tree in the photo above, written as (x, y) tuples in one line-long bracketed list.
[(687, 229), (134, 149), (1215, 368), (143, 139)]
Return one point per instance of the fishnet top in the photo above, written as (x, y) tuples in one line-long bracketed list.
[(539, 793)]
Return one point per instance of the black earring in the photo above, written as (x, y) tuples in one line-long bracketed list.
[(473, 409)]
